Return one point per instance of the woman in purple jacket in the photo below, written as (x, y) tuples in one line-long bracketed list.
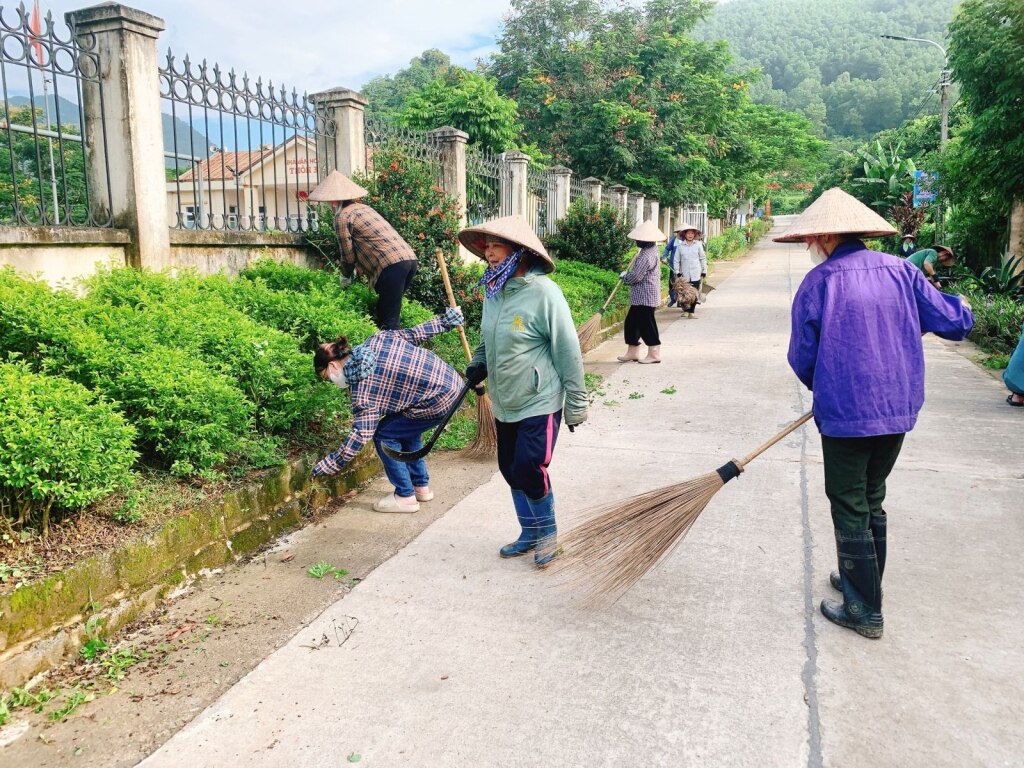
[(858, 318)]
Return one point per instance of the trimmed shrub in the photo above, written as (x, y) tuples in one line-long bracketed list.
[(61, 446), (188, 417), (592, 234)]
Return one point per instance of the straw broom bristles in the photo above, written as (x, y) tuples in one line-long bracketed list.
[(485, 444), (612, 551), (585, 333)]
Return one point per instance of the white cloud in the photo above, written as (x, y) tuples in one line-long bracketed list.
[(312, 46)]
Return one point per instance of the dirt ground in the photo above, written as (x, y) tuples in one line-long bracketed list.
[(203, 641)]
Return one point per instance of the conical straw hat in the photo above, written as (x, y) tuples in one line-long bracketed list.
[(336, 187), (836, 213), (647, 232), (514, 229), (684, 227)]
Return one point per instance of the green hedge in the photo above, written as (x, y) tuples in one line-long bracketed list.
[(188, 415), (61, 446)]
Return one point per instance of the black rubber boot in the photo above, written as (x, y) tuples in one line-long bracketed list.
[(861, 609), (878, 526)]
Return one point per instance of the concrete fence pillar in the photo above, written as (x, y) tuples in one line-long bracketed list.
[(517, 193), (665, 221), (128, 112), (592, 189), (636, 208), (453, 164), (346, 150), (558, 183), (621, 194), (1015, 245), (651, 210)]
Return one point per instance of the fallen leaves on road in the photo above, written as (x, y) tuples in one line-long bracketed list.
[(181, 630)]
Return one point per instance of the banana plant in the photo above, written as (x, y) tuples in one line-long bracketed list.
[(887, 171)]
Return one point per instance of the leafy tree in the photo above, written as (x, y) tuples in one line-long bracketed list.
[(470, 102), (827, 60), (625, 94), (984, 167), (387, 94)]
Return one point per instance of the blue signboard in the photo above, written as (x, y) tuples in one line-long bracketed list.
[(926, 185)]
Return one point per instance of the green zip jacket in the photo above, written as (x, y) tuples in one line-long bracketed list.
[(528, 341)]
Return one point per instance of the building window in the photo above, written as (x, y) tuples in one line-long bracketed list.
[(189, 216)]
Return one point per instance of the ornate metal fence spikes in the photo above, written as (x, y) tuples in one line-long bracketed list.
[(45, 161), (249, 148)]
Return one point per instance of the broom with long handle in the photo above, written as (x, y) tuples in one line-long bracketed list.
[(486, 441), (610, 552), (586, 331)]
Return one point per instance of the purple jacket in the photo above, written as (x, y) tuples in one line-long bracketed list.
[(856, 341)]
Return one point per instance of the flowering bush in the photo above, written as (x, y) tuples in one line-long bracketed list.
[(592, 234)]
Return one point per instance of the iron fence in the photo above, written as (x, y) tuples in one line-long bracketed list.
[(488, 188), (241, 154), (539, 190), (380, 136), (44, 158), (609, 198), (694, 215), (576, 188)]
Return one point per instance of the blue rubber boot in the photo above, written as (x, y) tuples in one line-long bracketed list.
[(547, 532), (527, 541), (861, 584)]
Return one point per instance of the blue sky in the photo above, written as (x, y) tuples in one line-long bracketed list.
[(312, 46)]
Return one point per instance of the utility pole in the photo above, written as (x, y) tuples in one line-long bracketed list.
[(944, 79)]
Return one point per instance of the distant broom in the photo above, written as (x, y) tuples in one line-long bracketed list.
[(609, 553), (485, 444), (586, 332)]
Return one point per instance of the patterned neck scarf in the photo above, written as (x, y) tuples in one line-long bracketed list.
[(494, 278)]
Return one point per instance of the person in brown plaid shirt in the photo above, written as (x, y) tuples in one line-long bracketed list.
[(369, 246)]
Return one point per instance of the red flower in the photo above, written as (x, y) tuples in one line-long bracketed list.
[(421, 236)]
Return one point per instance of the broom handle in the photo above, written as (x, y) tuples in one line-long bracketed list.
[(617, 284), (611, 295), (790, 428), (451, 301)]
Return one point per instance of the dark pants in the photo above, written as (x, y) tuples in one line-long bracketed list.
[(524, 452), (855, 472), (640, 324), (391, 287)]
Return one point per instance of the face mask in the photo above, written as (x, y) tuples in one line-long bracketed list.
[(817, 253), (339, 380)]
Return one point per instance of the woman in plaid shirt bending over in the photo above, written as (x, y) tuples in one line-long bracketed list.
[(399, 391)]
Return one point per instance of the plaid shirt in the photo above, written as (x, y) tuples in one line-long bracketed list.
[(368, 242), (644, 279), (407, 380)]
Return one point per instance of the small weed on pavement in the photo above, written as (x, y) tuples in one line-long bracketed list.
[(323, 568)]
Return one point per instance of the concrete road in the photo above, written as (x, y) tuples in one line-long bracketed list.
[(449, 656)]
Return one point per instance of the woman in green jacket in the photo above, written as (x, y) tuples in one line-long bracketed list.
[(530, 355)]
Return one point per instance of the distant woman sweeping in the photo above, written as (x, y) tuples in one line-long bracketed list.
[(530, 355), (644, 281)]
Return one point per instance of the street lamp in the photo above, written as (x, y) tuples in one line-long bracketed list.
[(943, 84)]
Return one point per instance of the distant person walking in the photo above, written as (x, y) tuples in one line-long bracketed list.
[(857, 321), (369, 246), (644, 281)]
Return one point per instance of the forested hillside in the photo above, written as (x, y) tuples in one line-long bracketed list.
[(826, 59)]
